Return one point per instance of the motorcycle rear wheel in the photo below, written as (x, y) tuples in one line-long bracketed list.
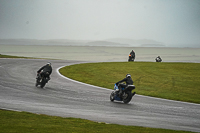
[(43, 83), (128, 97)]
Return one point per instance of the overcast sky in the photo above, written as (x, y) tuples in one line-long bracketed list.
[(167, 21)]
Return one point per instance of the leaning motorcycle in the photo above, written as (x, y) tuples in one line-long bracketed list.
[(42, 79), (158, 59), (126, 95)]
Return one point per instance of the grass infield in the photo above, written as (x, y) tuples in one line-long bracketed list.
[(175, 81)]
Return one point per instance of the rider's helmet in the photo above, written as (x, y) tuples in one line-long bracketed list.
[(49, 63), (128, 75)]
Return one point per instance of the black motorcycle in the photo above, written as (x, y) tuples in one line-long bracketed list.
[(126, 95), (131, 57), (42, 78), (158, 59)]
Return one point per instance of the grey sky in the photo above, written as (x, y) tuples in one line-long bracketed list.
[(167, 21)]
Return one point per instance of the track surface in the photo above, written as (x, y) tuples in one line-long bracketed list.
[(63, 97)]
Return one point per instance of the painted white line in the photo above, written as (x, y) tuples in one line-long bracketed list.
[(57, 70), (169, 100)]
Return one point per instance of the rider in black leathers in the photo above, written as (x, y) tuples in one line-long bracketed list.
[(132, 53), (158, 59), (46, 70), (132, 56), (128, 81)]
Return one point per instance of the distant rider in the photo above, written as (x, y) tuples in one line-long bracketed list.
[(158, 59), (132, 56), (46, 70), (132, 53), (128, 81)]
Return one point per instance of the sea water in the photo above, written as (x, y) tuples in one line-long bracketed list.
[(102, 53)]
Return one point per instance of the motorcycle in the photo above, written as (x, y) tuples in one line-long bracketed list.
[(131, 58), (126, 95), (158, 59), (42, 79)]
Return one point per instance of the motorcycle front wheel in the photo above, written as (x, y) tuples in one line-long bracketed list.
[(112, 95), (36, 84)]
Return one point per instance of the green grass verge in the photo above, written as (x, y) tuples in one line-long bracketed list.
[(11, 56), (176, 81), (22, 122)]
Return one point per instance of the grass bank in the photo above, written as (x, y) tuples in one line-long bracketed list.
[(10, 56), (176, 81), (19, 122)]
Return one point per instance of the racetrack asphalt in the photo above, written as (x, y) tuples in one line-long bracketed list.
[(66, 98)]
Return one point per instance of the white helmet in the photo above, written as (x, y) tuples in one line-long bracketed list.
[(49, 63), (128, 75)]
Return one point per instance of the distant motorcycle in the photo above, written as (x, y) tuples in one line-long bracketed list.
[(158, 59), (42, 79), (131, 58), (126, 94)]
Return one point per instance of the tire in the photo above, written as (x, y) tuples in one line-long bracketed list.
[(36, 84), (37, 81), (128, 97), (42, 83), (112, 95), (131, 60)]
